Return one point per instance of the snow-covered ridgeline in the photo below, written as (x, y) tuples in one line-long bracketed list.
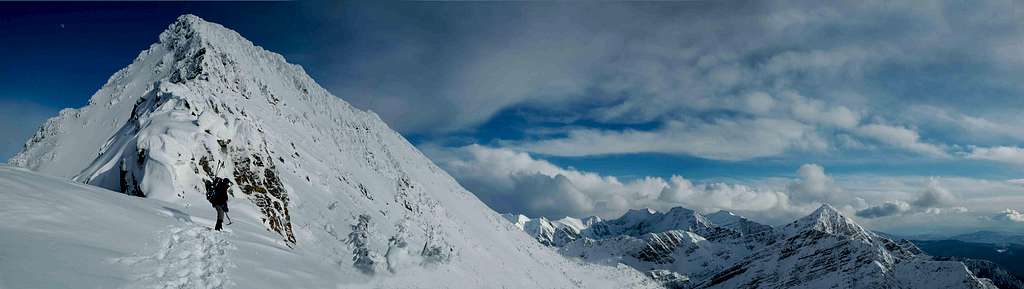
[(825, 249)]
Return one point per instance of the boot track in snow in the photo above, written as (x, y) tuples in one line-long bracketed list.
[(188, 257)]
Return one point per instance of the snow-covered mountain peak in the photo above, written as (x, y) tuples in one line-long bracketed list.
[(330, 181), (828, 219)]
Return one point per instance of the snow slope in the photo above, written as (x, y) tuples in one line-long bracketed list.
[(332, 187), (59, 234)]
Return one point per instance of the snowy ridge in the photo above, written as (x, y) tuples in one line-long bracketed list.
[(640, 222), (825, 249), (552, 233), (333, 184), (729, 220)]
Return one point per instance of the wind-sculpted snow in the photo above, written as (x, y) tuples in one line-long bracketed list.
[(321, 177), (722, 250)]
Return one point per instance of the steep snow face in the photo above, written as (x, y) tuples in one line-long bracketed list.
[(323, 177), (722, 250)]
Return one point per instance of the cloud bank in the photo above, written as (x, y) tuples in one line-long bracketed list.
[(515, 182), (934, 199), (1010, 215)]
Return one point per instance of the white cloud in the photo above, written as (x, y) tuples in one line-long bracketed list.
[(1004, 154), (816, 112), (511, 181), (815, 185), (1010, 215), (693, 69), (933, 199), (965, 128), (720, 139), (900, 137), (716, 196), (935, 196)]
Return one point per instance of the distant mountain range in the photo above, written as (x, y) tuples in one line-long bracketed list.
[(1008, 256), (685, 249), (991, 254), (991, 237)]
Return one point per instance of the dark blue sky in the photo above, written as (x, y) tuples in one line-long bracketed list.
[(59, 53), (740, 92)]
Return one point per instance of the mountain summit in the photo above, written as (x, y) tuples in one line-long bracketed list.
[(329, 184), (828, 220)]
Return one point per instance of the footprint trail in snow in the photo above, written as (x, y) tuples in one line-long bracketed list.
[(188, 257)]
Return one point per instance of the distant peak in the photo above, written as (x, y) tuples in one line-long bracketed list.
[(829, 220), (827, 213), (826, 208)]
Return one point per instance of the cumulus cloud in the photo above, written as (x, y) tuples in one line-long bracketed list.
[(814, 185), (1010, 215), (1004, 154), (511, 181), (934, 196), (515, 181), (718, 196), (933, 199)]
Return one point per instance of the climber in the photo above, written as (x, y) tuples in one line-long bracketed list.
[(217, 194)]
